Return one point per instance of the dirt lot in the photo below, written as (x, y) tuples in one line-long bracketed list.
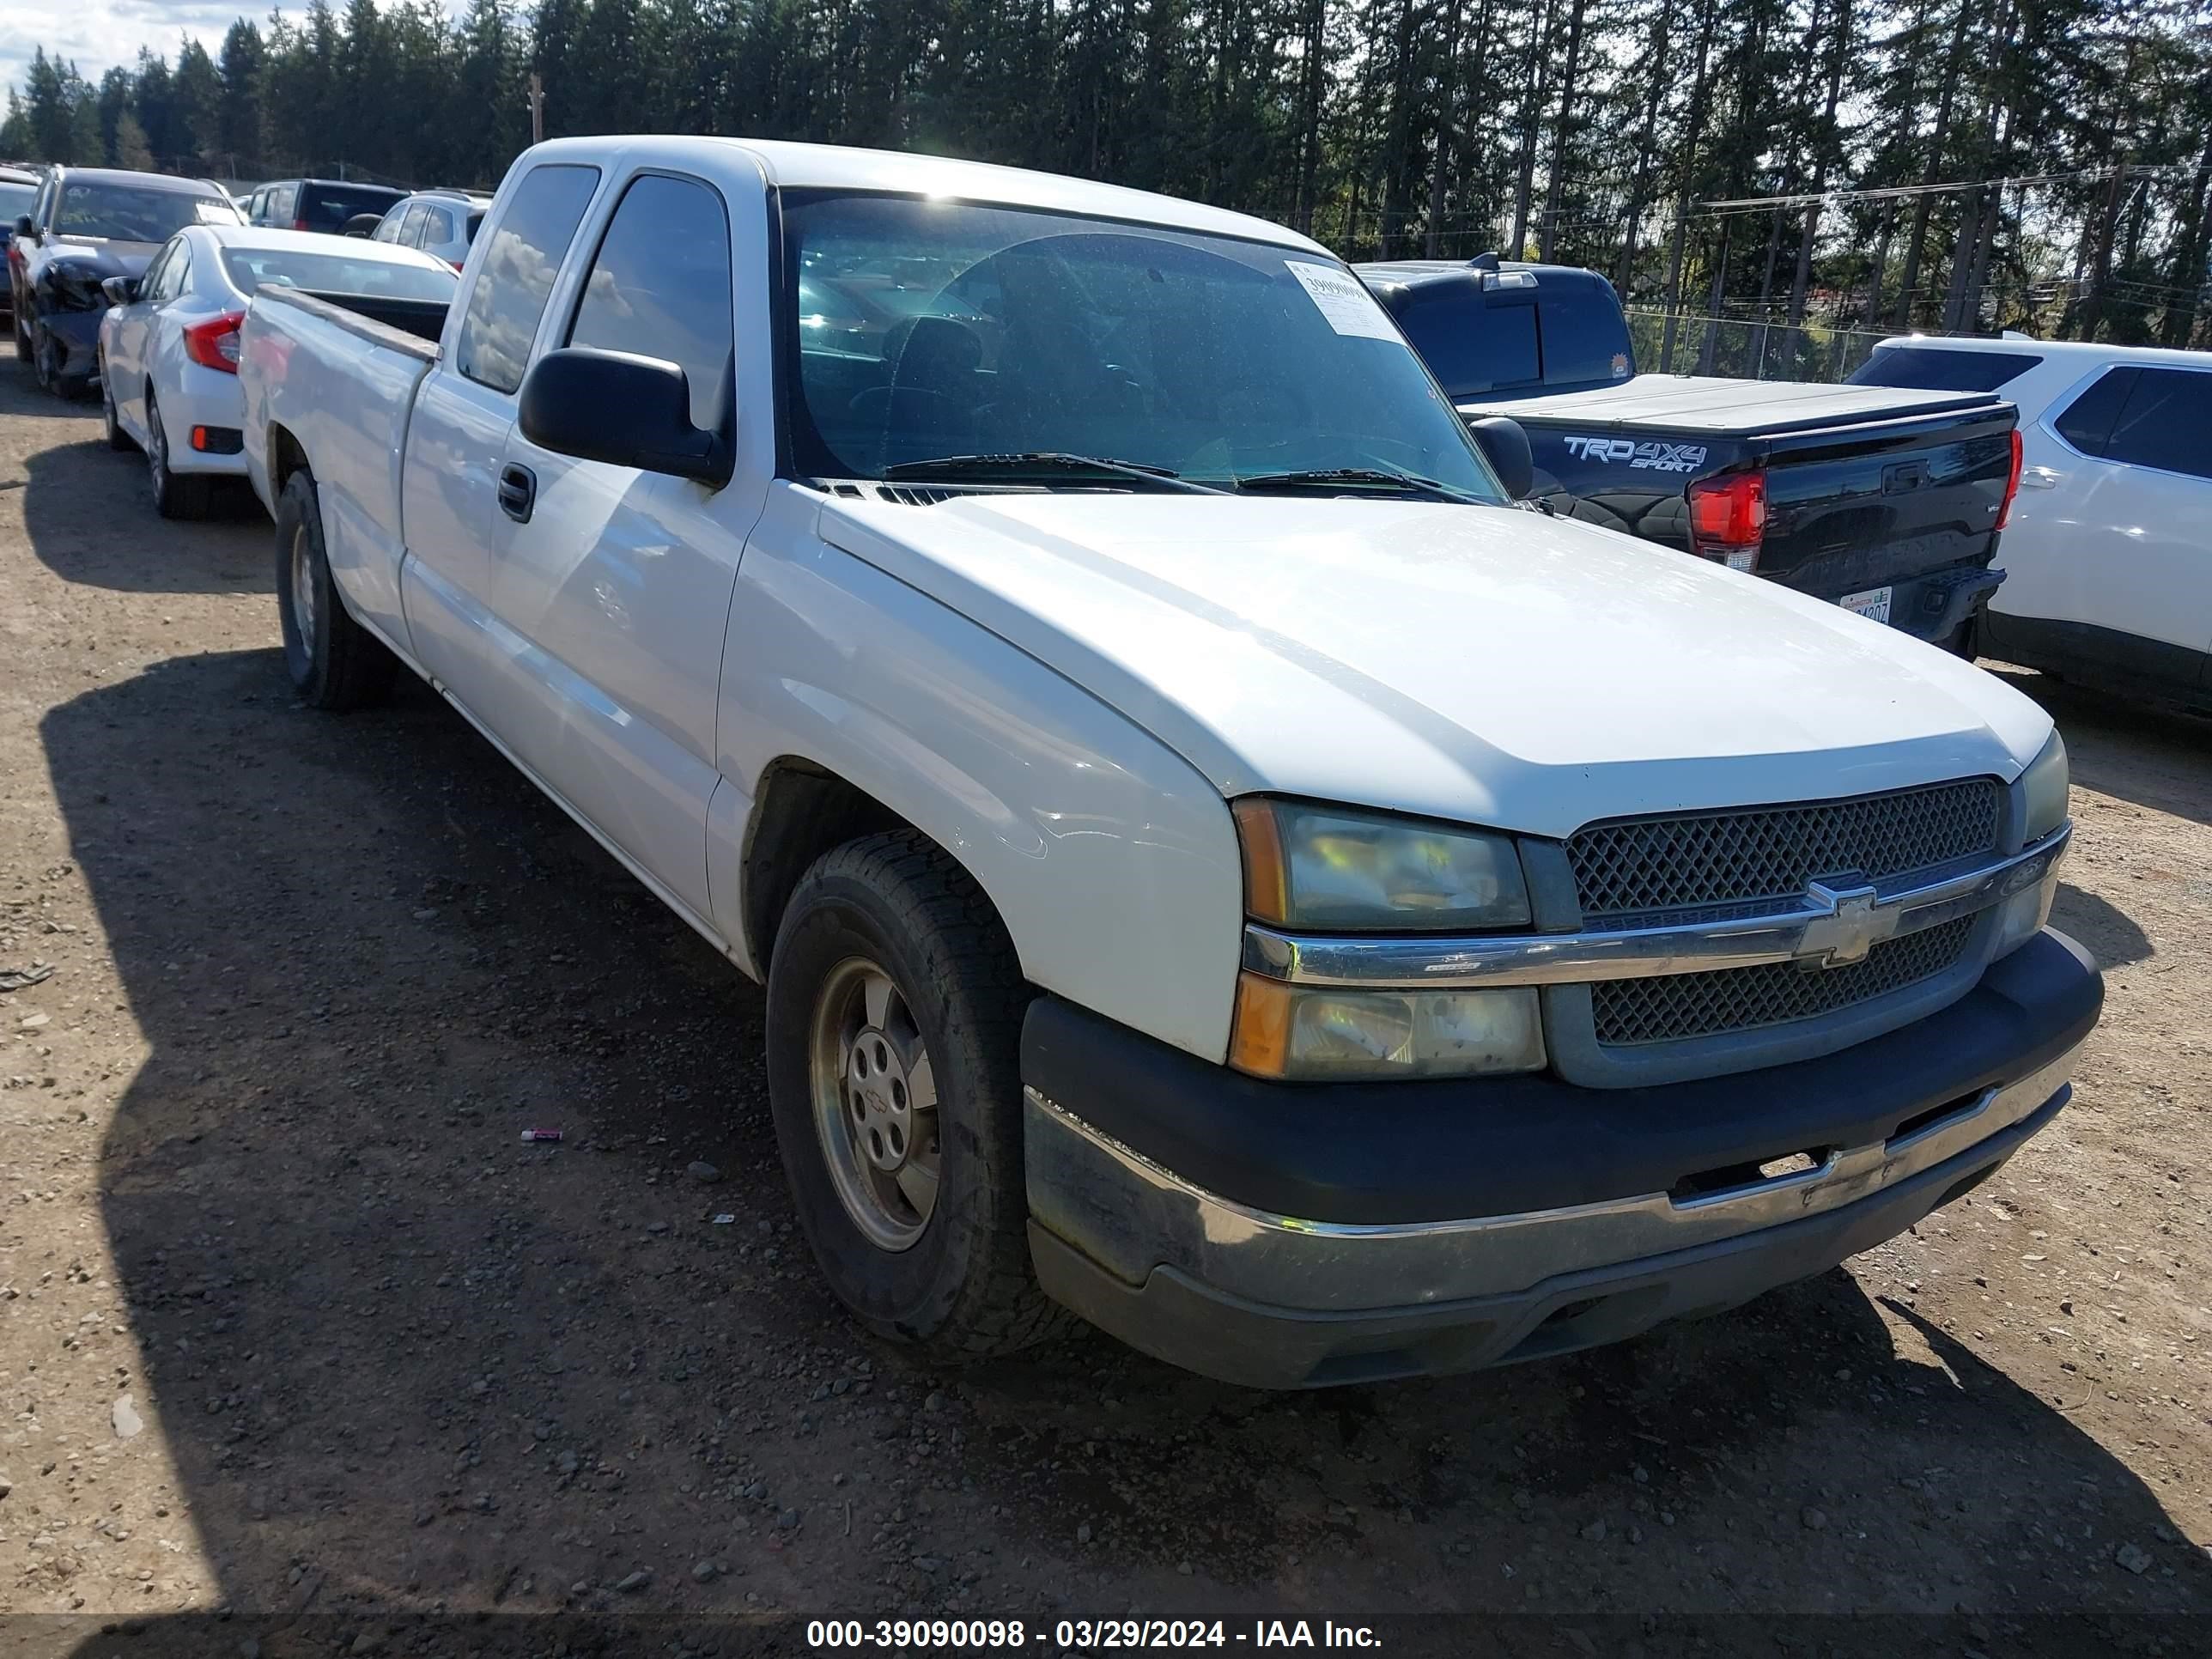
[(302, 1351)]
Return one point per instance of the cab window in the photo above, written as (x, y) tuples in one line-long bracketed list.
[(516, 279), (659, 286)]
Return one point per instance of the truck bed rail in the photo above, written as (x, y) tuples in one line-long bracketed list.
[(429, 314)]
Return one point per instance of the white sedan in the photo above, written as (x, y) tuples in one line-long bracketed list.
[(169, 348)]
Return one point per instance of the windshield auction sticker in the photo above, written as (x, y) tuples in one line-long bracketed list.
[(1350, 308)]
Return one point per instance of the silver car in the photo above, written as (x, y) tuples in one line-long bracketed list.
[(440, 221)]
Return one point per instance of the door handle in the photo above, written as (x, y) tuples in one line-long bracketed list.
[(2040, 477), (518, 492)]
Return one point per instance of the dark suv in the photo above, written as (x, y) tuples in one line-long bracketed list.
[(322, 204), (85, 225)]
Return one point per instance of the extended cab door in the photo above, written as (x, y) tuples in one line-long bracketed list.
[(622, 578), (457, 434)]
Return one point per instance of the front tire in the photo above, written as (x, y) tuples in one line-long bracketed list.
[(895, 1004), (49, 360), (334, 662), (175, 497)]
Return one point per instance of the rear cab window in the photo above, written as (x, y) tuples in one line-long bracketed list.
[(1527, 331), (1942, 368), (529, 243), (327, 207)]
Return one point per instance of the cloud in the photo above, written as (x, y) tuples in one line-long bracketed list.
[(98, 34)]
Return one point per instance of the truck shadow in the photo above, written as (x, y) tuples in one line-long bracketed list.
[(90, 517), (412, 1371), (2106, 930)]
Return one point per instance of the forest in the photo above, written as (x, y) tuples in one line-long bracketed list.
[(1771, 183)]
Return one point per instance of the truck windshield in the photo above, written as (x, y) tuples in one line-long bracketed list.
[(918, 329)]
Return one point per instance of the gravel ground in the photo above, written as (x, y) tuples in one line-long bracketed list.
[(302, 1351)]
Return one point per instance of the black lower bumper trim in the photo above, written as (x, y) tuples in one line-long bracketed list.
[(1430, 1151), (1187, 1322)]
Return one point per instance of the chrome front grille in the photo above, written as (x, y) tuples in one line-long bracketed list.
[(1716, 864), (1680, 1007)]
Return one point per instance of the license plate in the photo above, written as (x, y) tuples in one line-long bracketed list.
[(1873, 604)]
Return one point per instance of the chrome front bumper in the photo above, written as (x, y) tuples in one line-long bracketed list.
[(1275, 1301)]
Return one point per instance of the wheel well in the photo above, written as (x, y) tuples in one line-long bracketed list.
[(800, 813), (285, 458)]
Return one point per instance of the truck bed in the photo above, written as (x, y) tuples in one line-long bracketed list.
[(335, 378)]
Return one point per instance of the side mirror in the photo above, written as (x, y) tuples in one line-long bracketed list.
[(119, 290), (25, 228), (622, 409), (1505, 446)]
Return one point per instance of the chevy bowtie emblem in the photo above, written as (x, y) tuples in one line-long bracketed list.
[(1848, 926)]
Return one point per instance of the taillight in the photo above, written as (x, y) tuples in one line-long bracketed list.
[(299, 224), (214, 343), (456, 265), (1728, 517), (2012, 482)]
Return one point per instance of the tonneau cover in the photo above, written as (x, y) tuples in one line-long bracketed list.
[(1726, 407)]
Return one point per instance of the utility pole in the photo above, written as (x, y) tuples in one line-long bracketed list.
[(536, 107)]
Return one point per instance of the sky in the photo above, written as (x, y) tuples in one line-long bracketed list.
[(99, 33)]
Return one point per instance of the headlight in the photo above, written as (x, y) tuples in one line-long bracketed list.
[(1327, 1033), (2044, 791), (2044, 788), (1323, 867), (1330, 869)]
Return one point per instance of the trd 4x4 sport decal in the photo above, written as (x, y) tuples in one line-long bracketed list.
[(1652, 456)]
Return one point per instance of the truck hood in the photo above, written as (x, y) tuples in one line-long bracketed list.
[(1486, 665), (1703, 403)]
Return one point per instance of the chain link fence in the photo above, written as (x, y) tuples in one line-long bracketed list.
[(1743, 348)]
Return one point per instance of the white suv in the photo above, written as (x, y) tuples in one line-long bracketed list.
[(2108, 549), (440, 221)]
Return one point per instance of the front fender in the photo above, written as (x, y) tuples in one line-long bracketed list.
[(1113, 863)]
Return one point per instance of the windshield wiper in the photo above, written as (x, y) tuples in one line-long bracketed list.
[(1333, 477), (1057, 461)]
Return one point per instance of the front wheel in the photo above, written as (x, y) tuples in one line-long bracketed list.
[(334, 662), (893, 1021)]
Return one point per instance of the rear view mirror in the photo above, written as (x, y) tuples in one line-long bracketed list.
[(25, 228), (119, 290), (622, 409), (1505, 446)]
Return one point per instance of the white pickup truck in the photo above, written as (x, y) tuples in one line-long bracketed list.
[(1217, 864)]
